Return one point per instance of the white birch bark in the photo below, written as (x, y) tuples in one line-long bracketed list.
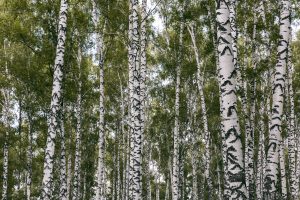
[(157, 177), (176, 138), (63, 163), (230, 124), (69, 171), (298, 163), (101, 142), (143, 68), (77, 163), (291, 134), (219, 184), (6, 93), (282, 171), (194, 172), (277, 103), (55, 102), (29, 158), (135, 108), (261, 154), (5, 150)]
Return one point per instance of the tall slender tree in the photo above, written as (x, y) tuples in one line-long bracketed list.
[(63, 161), (275, 128), (291, 125), (101, 141), (176, 136), (55, 101), (230, 123), (77, 163), (135, 102), (29, 157), (200, 82), (6, 93)]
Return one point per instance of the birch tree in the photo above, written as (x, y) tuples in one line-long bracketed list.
[(135, 102), (277, 103), (230, 124), (291, 125), (77, 163), (6, 93), (55, 102), (101, 142), (176, 136), (63, 162), (29, 157)]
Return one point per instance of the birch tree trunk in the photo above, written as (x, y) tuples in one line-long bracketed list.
[(298, 163), (176, 137), (6, 93), (230, 124), (135, 108), (101, 143), (291, 134), (261, 154), (277, 103), (282, 171), (29, 158), (5, 148), (55, 102), (143, 69), (131, 62), (77, 163), (194, 171), (63, 164), (157, 177)]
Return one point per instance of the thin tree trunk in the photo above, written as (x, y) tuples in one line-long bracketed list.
[(219, 184), (194, 171), (101, 143), (277, 104), (135, 108), (230, 124), (63, 164), (143, 68), (29, 158), (191, 106), (203, 108), (157, 176), (282, 171), (261, 153), (124, 146), (167, 192), (298, 163), (176, 137), (55, 103), (77, 163), (250, 140), (69, 176), (6, 112), (5, 156), (149, 194), (291, 134)]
